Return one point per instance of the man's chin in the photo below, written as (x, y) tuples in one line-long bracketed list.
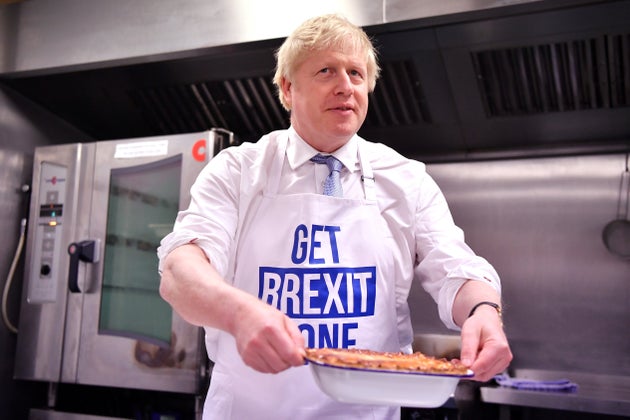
[(344, 130)]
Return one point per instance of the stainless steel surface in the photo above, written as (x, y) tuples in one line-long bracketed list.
[(101, 353), (438, 345), (601, 394), (539, 222), (616, 233), (62, 338), (12, 206), (400, 10), (23, 126), (42, 326), (46, 35), (41, 414), (8, 173)]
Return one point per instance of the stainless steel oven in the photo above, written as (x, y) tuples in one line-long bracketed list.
[(91, 312)]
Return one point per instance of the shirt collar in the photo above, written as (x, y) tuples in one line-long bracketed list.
[(299, 151)]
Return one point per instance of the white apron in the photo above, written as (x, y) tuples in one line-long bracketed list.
[(325, 262)]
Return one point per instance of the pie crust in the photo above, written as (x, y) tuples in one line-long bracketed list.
[(375, 360)]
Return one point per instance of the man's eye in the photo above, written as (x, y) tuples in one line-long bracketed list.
[(356, 73), (325, 70)]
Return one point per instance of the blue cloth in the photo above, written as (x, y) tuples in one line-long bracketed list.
[(332, 185), (560, 385)]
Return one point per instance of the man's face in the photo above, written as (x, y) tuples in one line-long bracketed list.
[(328, 96)]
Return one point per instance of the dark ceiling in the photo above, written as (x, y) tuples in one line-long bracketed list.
[(557, 80)]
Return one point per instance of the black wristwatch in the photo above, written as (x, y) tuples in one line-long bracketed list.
[(494, 305)]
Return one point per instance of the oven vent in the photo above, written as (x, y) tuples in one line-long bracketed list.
[(249, 106), (585, 74)]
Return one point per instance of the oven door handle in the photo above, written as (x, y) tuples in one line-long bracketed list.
[(87, 251)]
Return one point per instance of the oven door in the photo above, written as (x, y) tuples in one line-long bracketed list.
[(129, 336)]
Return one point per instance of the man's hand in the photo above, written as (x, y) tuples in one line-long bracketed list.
[(485, 347), (267, 340)]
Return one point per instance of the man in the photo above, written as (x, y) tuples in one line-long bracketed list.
[(268, 264)]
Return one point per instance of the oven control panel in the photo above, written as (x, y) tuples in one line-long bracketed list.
[(45, 278)]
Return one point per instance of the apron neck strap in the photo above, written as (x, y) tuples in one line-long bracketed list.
[(367, 176)]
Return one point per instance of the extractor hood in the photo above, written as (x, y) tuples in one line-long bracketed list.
[(528, 82)]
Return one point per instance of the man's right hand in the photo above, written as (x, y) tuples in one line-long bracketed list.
[(267, 340)]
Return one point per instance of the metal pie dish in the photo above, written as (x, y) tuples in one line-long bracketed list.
[(385, 387)]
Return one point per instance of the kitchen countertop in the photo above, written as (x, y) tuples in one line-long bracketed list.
[(602, 394)]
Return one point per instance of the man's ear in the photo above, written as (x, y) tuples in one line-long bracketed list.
[(285, 86)]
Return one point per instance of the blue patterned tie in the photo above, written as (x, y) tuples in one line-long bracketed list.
[(332, 185)]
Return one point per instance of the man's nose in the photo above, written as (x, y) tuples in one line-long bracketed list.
[(344, 84)]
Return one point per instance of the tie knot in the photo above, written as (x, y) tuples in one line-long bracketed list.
[(332, 162), (332, 185)]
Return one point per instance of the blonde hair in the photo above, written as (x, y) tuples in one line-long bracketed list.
[(320, 33)]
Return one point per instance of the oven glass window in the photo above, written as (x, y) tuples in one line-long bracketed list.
[(142, 206)]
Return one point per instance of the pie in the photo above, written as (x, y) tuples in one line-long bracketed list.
[(376, 360)]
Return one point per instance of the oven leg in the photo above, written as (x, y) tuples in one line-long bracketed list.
[(199, 407), (52, 394)]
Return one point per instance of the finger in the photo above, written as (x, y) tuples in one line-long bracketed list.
[(470, 346), (297, 338), (267, 360), (294, 332), (491, 360), (288, 344), (260, 351), (258, 361), (486, 372), (482, 370), (279, 344)]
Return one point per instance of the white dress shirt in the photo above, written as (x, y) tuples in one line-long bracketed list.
[(431, 247)]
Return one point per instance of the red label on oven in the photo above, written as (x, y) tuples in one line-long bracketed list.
[(199, 150)]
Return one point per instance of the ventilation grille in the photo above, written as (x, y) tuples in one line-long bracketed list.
[(576, 75), (250, 107), (398, 98), (247, 106)]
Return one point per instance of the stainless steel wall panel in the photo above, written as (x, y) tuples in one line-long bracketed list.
[(61, 33), (399, 10), (45, 35), (12, 206), (540, 221)]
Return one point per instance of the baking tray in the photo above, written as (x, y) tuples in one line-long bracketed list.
[(385, 387)]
